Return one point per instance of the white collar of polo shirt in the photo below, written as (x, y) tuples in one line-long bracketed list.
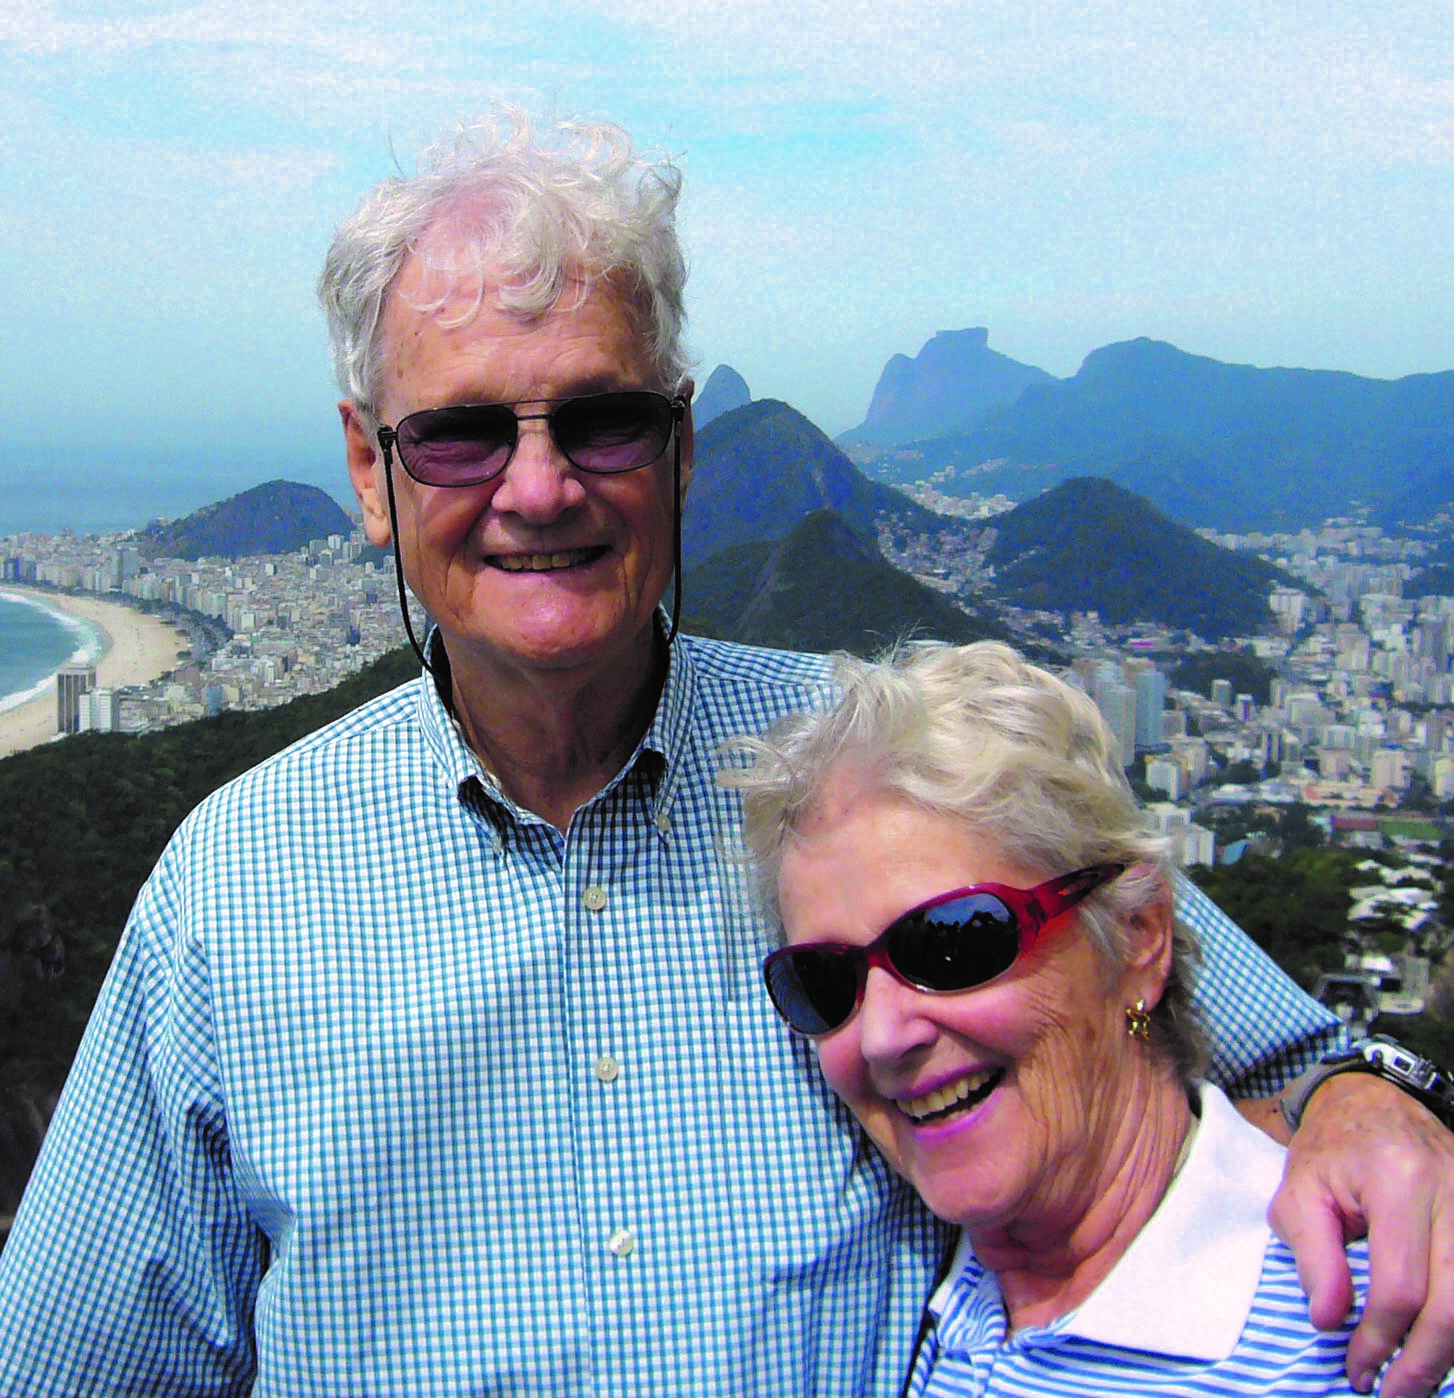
[(1187, 1282)]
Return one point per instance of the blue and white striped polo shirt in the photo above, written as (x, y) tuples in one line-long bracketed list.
[(1205, 1301)]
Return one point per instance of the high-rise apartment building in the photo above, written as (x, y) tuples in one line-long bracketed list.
[(1150, 708), (72, 682), (100, 711), (1117, 703)]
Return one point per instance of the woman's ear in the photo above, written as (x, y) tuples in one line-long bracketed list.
[(1149, 934)]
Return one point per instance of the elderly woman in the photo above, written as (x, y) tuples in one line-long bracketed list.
[(980, 944)]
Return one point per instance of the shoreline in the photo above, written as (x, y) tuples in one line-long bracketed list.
[(135, 648)]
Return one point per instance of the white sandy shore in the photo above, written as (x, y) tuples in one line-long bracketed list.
[(138, 648)]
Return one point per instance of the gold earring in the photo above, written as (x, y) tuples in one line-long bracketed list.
[(1138, 1022)]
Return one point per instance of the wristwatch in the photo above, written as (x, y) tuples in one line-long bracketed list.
[(1385, 1058)]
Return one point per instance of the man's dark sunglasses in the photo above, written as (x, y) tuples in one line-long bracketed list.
[(951, 943), (604, 433)]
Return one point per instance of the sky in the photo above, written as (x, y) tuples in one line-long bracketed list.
[(1264, 183)]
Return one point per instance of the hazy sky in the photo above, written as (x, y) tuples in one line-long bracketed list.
[(1265, 183)]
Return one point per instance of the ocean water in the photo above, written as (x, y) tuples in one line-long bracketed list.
[(102, 497), (35, 642)]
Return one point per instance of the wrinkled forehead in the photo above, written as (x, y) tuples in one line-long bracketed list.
[(449, 277), (454, 272), (447, 289)]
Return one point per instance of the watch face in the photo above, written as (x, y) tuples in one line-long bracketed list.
[(1416, 1075)]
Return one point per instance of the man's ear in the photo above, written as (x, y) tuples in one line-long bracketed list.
[(365, 472), (689, 440)]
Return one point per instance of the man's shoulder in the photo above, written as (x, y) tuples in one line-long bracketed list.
[(741, 689), (732, 663), (350, 747)]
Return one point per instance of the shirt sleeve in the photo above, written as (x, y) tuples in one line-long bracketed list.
[(1264, 1029), (133, 1265)]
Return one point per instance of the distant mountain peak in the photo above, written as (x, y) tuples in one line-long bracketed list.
[(954, 381), (1231, 446), (761, 468), (724, 390), (276, 517), (943, 343)]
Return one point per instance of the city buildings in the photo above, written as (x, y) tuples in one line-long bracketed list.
[(73, 684), (284, 626), (1359, 714)]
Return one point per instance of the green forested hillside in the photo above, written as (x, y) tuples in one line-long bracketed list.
[(1089, 544), (822, 588), (81, 823), (276, 517)]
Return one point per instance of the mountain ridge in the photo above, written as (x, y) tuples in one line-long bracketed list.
[(1228, 446), (1088, 544), (954, 381), (821, 587), (763, 467)]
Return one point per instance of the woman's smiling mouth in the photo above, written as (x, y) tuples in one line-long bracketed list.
[(968, 1091)]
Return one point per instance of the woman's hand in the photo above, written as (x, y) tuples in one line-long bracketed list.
[(1368, 1158)]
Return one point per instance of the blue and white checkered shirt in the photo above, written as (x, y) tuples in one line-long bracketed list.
[(394, 1090)]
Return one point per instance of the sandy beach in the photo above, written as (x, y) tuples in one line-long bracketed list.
[(138, 649)]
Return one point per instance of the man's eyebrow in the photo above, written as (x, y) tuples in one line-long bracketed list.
[(606, 381)]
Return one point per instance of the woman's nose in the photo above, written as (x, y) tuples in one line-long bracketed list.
[(892, 1022)]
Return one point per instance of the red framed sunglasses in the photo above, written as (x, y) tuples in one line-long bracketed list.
[(951, 943)]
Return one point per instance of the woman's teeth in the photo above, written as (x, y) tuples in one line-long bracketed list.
[(952, 1096)]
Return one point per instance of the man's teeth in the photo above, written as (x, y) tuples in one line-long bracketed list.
[(540, 562), (942, 1098)]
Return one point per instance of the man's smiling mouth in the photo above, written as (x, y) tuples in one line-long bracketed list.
[(543, 562), (968, 1091)]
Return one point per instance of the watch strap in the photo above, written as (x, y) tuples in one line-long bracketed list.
[(1292, 1101), (1385, 1058)]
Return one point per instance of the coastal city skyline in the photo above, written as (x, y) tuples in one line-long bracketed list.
[(1267, 187), (1352, 721)]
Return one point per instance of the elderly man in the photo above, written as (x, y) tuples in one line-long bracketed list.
[(435, 1058)]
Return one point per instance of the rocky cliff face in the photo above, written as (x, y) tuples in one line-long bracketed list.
[(951, 384)]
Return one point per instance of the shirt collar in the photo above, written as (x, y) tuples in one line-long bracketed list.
[(1187, 1282), (662, 745)]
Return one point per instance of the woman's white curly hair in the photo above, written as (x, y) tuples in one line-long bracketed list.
[(977, 734)]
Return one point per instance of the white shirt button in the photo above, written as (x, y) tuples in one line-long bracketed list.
[(622, 1243), (662, 822), (594, 897), (608, 1069)]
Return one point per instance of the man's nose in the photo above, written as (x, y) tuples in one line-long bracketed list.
[(538, 483)]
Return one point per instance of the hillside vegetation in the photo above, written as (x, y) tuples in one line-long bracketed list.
[(81, 823), (1088, 543), (275, 517), (824, 587)]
